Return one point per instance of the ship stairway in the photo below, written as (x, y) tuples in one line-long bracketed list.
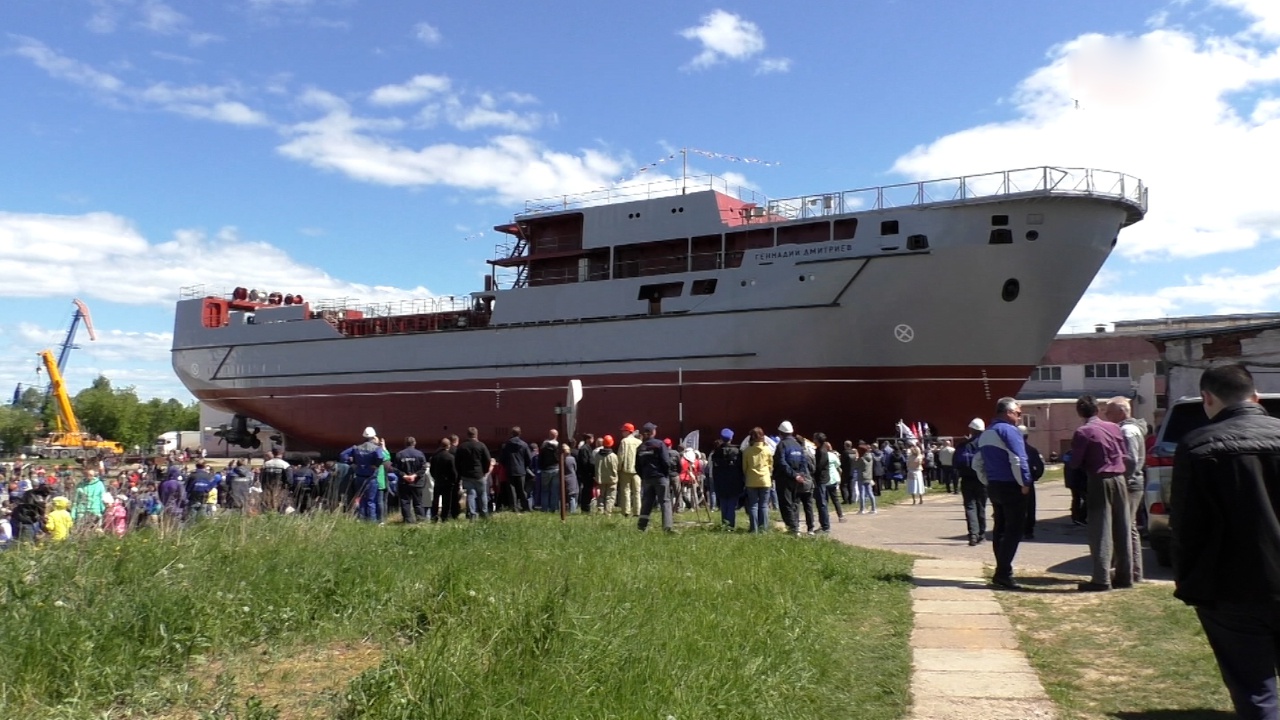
[(521, 248)]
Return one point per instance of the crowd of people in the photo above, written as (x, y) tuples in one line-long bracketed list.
[(784, 474)]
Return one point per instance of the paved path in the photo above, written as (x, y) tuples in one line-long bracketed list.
[(964, 653), (966, 663), (937, 529)]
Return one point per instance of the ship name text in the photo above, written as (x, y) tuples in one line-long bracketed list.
[(767, 255)]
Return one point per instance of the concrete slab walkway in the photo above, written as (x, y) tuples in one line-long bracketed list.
[(937, 529), (964, 653)]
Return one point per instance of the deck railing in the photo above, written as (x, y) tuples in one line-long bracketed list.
[(1042, 180), (642, 191), (395, 308)]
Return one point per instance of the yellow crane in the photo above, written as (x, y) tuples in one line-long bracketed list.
[(67, 439)]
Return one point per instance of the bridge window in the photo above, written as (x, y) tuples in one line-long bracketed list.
[(703, 287)]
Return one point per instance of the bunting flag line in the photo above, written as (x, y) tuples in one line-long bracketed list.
[(732, 158), (704, 153), (644, 169)]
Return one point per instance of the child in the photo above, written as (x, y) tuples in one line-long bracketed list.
[(117, 518), (58, 522), (211, 501)]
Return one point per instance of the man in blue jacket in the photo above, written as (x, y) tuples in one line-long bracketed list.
[(1001, 465)]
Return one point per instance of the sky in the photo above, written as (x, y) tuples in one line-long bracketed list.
[(362, 149)]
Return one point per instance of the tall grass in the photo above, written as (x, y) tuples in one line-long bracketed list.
[(516, 617)]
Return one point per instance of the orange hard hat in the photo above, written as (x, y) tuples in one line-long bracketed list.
[(608, 441)]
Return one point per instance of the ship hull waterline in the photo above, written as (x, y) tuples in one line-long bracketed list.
[(846, 404)]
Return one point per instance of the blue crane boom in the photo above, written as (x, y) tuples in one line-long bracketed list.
[(81, 314)]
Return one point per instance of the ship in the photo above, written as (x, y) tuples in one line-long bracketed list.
[(692, 304)]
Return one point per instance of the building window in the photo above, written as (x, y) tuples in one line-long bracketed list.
[(1047, 373), (1107, 370), (1029, 421)]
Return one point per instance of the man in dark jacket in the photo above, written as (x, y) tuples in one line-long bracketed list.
[(726, 477), (28, 513), (653, 465), (365, 459), (585, 459), (411, 465), (793, 477), (472, 460), (444, 475), (517, 459), (199, 485), (1035, 463), (972, 492), (1225, 492)]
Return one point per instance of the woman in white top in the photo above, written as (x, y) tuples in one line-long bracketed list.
[(915, 472)]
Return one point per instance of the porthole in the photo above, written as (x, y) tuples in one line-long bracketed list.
[(802, 278), (744, 283), (1010, 291), (1033, 235)]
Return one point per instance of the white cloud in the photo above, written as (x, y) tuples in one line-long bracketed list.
[(128, 358), (159, 18), (451, 106), (206, 102), (105, 17), (1213, 293), (513, 167), (65, 68), (1264, 13), (486, 114), (64, 256), (726, 36), (1190, 116), (769, 66), (110, 345), (154, 16), (278, 4), (173, 57), (427, 33), (417, 89)]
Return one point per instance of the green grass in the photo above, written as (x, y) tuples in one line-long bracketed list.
[(517, 617), (1134, 653)]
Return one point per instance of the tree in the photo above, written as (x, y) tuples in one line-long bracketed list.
[(17, 428), (117, 414), (31, 399)]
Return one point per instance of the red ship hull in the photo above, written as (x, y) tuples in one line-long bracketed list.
[(845, 403)]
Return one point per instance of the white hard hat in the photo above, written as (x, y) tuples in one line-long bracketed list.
[(785, 427), (977, 424), (369, 433), (1024, 430)]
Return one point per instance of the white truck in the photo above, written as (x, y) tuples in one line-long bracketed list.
[(179, 440)]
